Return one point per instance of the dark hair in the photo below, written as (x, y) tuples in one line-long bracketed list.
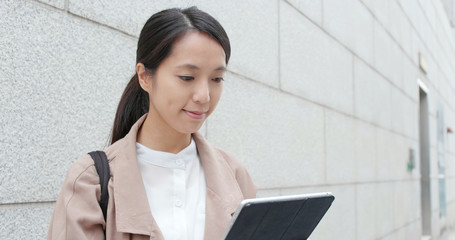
[(160, 31)]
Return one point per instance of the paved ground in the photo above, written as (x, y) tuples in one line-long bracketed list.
[(450, 235)]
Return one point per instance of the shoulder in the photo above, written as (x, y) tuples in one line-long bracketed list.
[(78, 202), (234, 163), (225, 164), (80, 186), (82, 169), (240, 172), (216, 154)]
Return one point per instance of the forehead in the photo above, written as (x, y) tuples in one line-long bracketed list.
[(197, 49)]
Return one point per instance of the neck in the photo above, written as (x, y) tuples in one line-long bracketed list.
[(154, 135)]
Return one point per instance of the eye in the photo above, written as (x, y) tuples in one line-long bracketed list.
[(186, 78), (218, 79)]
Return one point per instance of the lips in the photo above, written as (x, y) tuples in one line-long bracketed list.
[(195, 114)]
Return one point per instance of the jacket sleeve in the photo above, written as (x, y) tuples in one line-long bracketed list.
[(77, 214)]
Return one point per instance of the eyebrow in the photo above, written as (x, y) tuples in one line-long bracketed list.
[(191, 66)]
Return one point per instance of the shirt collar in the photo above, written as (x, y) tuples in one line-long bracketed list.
[(168, 160)]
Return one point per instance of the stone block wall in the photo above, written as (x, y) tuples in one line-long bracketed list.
[(319, 96)]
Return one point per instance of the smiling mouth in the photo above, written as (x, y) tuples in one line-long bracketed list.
[(195, 114)]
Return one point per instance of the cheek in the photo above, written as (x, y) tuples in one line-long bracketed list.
[(169, 95), (216, 95), (173, 101)]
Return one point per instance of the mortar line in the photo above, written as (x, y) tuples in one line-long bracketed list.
[(322, 105)]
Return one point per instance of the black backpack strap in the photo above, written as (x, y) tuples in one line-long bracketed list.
[(102, 167)]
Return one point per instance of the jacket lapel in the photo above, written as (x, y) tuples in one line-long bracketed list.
[(223, 192), (132, 208)]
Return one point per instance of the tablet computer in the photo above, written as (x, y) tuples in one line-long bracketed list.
[(284, 217)]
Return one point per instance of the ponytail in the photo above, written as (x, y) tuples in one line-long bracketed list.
[(133, 104)]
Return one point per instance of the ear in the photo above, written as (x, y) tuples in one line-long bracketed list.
[(145, 79)]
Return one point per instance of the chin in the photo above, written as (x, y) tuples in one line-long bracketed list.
[(190, 130), (194, 130)]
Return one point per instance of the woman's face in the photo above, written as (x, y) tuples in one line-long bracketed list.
[(187, 85)]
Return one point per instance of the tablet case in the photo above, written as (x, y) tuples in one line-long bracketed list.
[(285, 220)]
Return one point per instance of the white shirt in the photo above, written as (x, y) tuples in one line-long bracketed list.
[(176, 190)]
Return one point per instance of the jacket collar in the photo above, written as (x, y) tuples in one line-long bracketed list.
[(132, 209), (223, 192)]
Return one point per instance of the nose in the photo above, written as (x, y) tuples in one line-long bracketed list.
[(202, 92)]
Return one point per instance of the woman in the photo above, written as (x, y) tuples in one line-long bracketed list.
[(167, 181)]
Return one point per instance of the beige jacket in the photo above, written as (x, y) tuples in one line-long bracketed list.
[(77, 214)]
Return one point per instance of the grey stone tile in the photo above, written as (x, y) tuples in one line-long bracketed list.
[(313, 65), (62, 78), (254, 37), (366, 209), (365, 152), (279, 137), (341, 139), (404, 114), (268, 193), (414, 231), (372, 95), (25, 221), (410, 75), (56, 3), (392, 156), (312, 9), (388, 57), (344, 20), (385, 216)]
